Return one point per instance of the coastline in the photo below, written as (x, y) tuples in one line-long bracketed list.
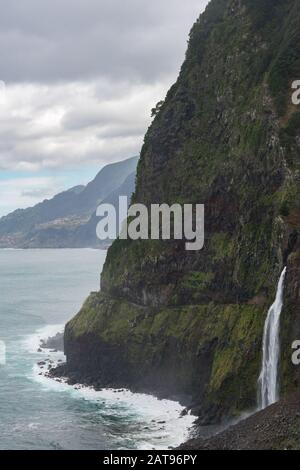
[(200, 437), (73, 377), (166, 420), (197, 435)]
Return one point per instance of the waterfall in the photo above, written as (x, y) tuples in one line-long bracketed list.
[(268, 380)]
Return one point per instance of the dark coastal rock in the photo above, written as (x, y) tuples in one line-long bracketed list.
[(56, 343), (184, 413)]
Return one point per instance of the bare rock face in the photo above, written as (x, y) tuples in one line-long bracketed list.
[(190, 324)]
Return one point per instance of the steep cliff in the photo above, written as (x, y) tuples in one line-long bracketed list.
[(189, 324)]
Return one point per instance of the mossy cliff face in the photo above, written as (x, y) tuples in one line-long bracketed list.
[(196, 353), (190, 324)]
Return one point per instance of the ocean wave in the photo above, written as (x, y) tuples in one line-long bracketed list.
[(32, 342), (156, 424)]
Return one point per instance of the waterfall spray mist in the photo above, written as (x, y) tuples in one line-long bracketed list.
[(268, 380)]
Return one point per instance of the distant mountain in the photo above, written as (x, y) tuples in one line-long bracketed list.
[(68, 220), (87, 232)]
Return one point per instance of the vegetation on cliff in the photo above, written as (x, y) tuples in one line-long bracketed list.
[(227, 135)]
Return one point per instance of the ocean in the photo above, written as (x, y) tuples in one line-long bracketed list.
[(40, 290)]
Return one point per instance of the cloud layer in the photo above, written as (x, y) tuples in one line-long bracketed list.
[(81, 78), (66, 125), (54, 40)]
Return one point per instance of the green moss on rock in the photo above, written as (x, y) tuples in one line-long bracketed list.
[(226, 336)]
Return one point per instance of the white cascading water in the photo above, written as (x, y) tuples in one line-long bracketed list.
[(268, 380)]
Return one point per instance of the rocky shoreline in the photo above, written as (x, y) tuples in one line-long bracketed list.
[(202, 429), (275, 428), (61, 372)]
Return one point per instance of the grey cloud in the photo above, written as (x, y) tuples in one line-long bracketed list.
[(83, 75), (54, 40), (80, 119)]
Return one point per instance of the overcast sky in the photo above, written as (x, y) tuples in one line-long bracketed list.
[(81, 77)]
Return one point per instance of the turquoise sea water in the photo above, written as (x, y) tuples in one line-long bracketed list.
[(39, 291)]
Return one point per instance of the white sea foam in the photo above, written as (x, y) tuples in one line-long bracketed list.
[(32, 342), (154, 423)]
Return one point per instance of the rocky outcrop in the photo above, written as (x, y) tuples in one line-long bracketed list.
[(190, 324), (55, 342)]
